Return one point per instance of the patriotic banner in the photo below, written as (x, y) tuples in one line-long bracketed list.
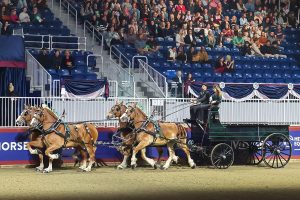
[(84, 89)]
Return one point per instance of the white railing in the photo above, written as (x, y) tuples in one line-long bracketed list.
[(49, 42), (76, 110), (116, 71), (62, 40), (256, 111), (70, 10), (40, 79), (153, 78), (96, 35), (56, 88)]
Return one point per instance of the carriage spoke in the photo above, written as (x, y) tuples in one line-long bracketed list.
[(282, 157)]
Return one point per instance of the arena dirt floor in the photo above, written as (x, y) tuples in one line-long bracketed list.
[(237, 182)]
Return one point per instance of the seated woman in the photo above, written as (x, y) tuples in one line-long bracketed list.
[(229, 63), (172, 54), (67, 61), (187, 83), (181, 55), (220, 65)]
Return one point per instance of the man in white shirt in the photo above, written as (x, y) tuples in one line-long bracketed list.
[(243, 20)]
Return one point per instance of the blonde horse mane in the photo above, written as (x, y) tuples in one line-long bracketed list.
[(44, 106)]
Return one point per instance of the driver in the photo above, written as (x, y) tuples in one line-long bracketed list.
[(200, 104)]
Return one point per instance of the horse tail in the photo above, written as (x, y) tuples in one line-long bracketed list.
[(181, 131)]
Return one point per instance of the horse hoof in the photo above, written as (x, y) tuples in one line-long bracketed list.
[(155, 166), (133, 166), (38, 169), (163, 168), (120, 167), (193, 166), (46, 171)]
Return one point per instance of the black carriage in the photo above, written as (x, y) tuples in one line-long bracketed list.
[(256, 143)]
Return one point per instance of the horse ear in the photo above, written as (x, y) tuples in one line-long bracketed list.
[(116, 101), (25, 106), (121, 103), (134, 104)]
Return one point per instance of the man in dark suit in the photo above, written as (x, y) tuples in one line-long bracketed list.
[(179, 81), (203, 99), (190, 38)]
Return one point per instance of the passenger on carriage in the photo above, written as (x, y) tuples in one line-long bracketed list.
[(205, 102)]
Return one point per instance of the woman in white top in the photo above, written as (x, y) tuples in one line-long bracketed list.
[(180, 38), (24, 17)]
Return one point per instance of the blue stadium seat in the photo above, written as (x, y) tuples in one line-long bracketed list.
[(91, 76)]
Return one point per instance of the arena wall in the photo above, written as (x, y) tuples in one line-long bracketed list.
[(13, 149)]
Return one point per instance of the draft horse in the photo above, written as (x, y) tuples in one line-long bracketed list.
[(57, 134), (146, 134), (126, 135)]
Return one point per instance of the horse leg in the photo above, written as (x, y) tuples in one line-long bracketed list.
[(51, 156), (188, 155), (91, 151), (160, 152), (170, 146), (38, 144), (136, 149), (126, 154), (148, 160), (84, 158)]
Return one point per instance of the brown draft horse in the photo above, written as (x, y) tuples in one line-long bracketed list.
[(58, 134), (172, 133), (127, 136), (36, 138)]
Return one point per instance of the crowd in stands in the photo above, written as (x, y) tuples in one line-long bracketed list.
[(255, 27), (13, 12)]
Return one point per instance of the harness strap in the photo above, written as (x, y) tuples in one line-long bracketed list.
[(89, 132)]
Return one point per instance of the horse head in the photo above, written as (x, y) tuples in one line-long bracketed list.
[(131, 113), (26, 116), (37, 119), (116, 111)]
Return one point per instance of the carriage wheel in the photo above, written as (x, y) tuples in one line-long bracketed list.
[(255, 154), (276, 150), (222, 156)]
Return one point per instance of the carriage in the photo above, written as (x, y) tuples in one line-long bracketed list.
[(252, 143)]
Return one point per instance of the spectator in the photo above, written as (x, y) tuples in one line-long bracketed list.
[(140, 44), (292, 20), (238, 40), (250, 6), (130, 37), (24, 17), (263, 38), (36, 16), (191, 54), (172, 54), (220, 66), (201, 56), (279, 34), (152, 45), (11, 90), (255, 51), (190, 38), (210, 40), (275, 51), (180, 38), (86, 11), (169, 30), (67, 61), (181, 55), (22, 4), (43, 58), (111, 37), (246, 49), (41, 4), (243, 20), (178, 80), (6, 30), (272, 37), (227, 33), (229, 63), (187, 84), (14, 17), (240, 5), (56, 60)]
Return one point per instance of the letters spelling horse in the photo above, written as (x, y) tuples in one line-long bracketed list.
[(36, 138), (171, 133), (127, 136), (57, 134)]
